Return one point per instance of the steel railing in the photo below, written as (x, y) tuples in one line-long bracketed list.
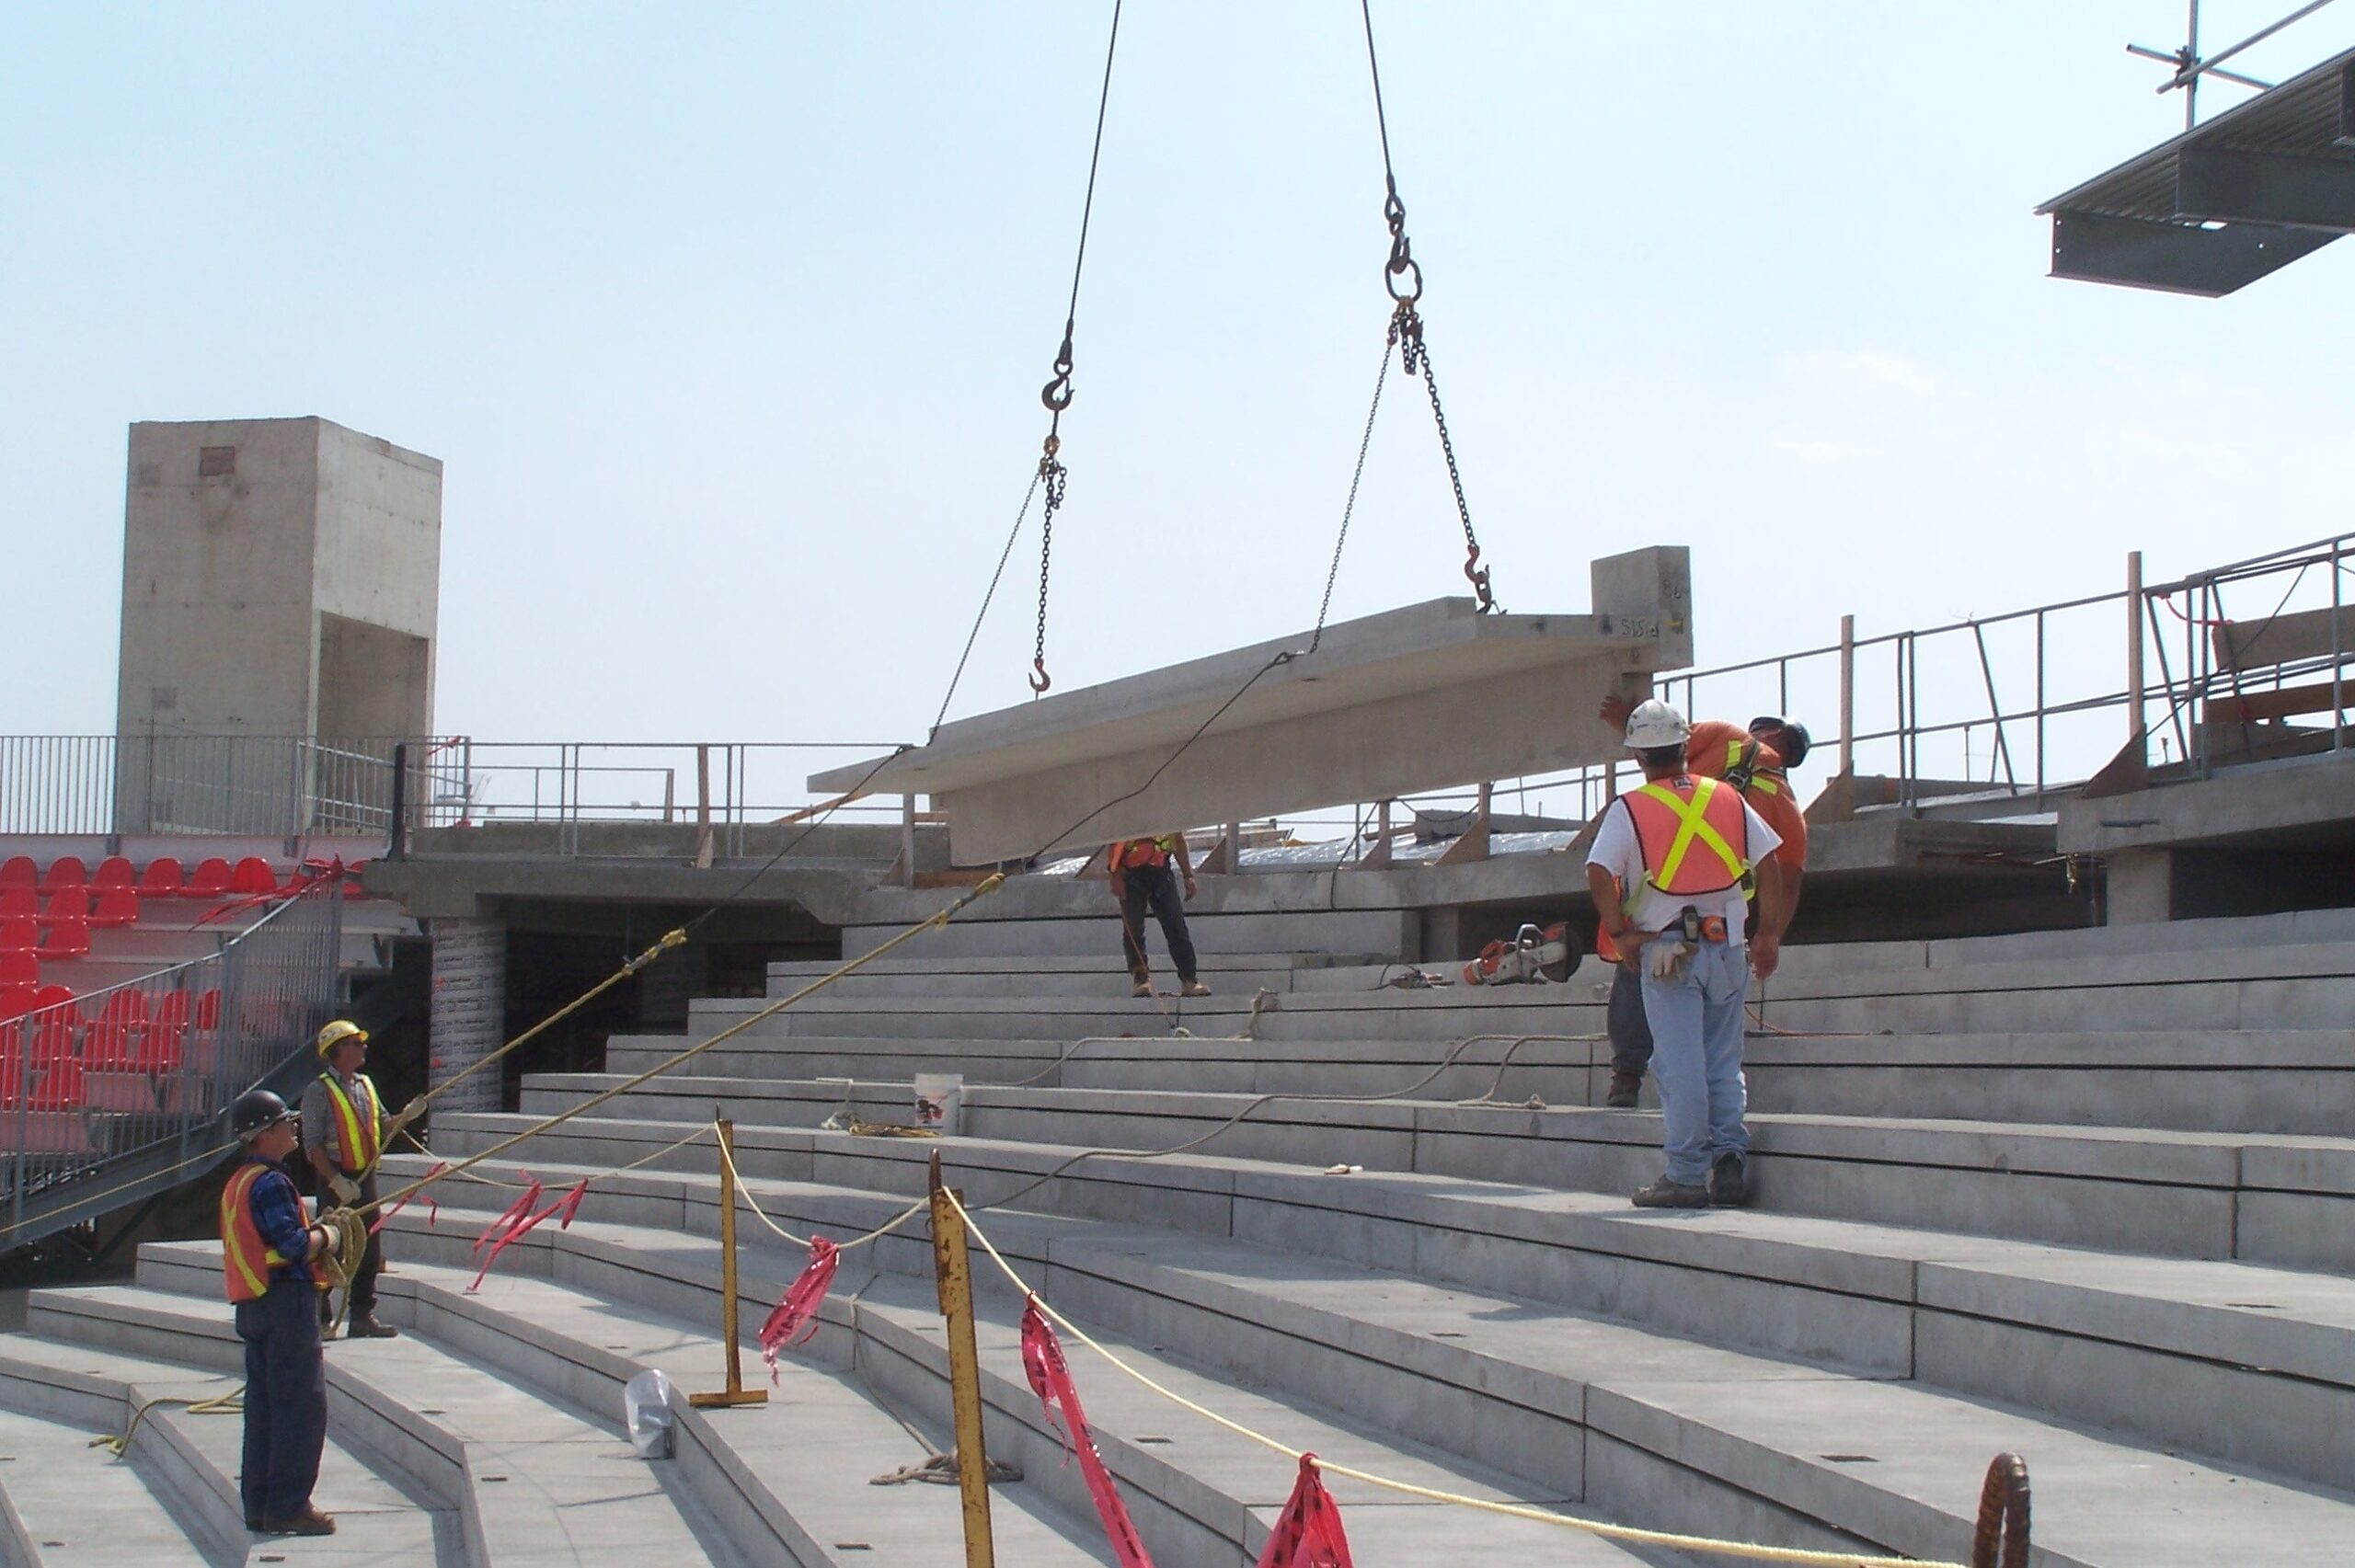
[(102, 1090)]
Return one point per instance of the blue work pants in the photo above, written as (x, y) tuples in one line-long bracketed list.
[(286, 1399), (1696, 1024)]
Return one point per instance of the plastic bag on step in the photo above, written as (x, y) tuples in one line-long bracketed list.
[(646, 1411)]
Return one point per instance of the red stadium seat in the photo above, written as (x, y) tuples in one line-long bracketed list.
[(20, 966), (115, 1034), (16, 1000), (253, 876), (117, 907), (211, 880), (68, 938), (162, 1048), (67, 903), (112, 871), (19, 937), (161, 879), (15, 901), (19, 872), (65, 871), (52, 1033), (60, 1088)]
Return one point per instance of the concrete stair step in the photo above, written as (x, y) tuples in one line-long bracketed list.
[(198, 1458), (2274, 1199), (2244, 1363), (2293, 1081), (786, 1483), (529, 1480), (1104, 979), (1658, 1431), (1388, 932), (65, 1504), (1200, 1500)]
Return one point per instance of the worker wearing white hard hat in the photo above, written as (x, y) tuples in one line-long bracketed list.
[(1686, 851)]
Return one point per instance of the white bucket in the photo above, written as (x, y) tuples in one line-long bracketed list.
[(940, 1102)]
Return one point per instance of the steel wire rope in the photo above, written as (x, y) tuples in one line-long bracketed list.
[(1002, 557), (1057, 393), (1629, 1533)]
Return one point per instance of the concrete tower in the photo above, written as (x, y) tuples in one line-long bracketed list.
[(281, 579)]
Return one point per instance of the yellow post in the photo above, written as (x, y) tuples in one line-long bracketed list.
[(954, 1278), (736, 1392)]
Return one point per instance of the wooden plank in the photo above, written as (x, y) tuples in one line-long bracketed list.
[(2281, 639), (2281, 702)]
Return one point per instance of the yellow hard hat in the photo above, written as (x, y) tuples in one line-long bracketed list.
[(334, 1034)]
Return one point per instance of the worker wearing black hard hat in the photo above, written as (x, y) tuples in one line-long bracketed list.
[(267, 1247)]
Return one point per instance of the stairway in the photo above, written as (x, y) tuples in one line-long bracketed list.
[(2089, 1197)]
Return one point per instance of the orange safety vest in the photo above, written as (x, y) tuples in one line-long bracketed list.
[(1693, 835), (245, 1258), (1742, 765), (356, 1135), (1140, 852)]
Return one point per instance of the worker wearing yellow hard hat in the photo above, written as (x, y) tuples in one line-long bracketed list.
[(344, 1129)]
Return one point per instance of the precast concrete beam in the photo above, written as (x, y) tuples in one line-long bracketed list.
[(1431, 696)]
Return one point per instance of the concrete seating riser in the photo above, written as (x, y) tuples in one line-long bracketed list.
[(1387, 933), (2189, 1384)]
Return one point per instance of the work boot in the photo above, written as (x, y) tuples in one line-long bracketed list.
[(369, 1328), (310, 1521), (1143, 988), (1666, 1193), (1193, 988), (1624, 1087), (1730, 1181)]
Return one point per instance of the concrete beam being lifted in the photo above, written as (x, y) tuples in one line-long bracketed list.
[(1431, 696)]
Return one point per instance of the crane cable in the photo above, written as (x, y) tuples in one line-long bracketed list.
[(1403, 278), (1057, 393)]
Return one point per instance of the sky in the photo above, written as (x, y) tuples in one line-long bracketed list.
[(729, 323)]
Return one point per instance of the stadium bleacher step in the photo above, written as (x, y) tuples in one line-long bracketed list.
[(1673, 1434), (2246, 1365), (2266, 1198), (65, 1504), (198, 1456), (526, 1475), (789, 1483)]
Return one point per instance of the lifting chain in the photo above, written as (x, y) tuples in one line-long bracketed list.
[(1407, 333), (1052, 475), (1403, 276)]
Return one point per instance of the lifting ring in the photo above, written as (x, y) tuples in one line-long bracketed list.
[(1400, 267)]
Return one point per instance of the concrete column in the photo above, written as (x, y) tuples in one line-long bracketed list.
[(666, 986), (2140, 887), (469, 1013)]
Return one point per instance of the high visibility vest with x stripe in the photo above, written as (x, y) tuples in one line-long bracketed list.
[(1693, 834)]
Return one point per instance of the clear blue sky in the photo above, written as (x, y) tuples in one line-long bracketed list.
[(728, 321)]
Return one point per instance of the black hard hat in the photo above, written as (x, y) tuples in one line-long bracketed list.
[(258, 1110), (1793, 747)]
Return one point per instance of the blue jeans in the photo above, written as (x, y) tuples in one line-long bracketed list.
[(286, 1399), (1696, 1024)]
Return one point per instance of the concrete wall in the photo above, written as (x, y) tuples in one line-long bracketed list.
[(280, 577)]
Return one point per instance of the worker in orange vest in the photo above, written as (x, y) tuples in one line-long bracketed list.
[(1686, 850), (1142, 881), (1758, 761), (267, 1244)]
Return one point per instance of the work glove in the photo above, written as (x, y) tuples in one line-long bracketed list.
[(346, 1190), (1665, 957), (410, 1113)]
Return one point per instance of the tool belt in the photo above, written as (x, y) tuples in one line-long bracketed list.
[(1697, 927)]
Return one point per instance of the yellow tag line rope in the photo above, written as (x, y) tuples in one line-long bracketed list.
[(1629, 1533), (758, 1213), (989, 885)]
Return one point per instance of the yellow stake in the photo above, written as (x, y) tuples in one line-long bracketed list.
[(737, 1393), (955, 1279)]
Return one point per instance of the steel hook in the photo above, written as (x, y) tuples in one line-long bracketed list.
[(1041, 680)]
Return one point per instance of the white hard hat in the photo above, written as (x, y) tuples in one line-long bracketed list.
[(1654, 726)]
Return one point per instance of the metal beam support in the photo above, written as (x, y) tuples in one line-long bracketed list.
[(2228, 185), (2182, 258)]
